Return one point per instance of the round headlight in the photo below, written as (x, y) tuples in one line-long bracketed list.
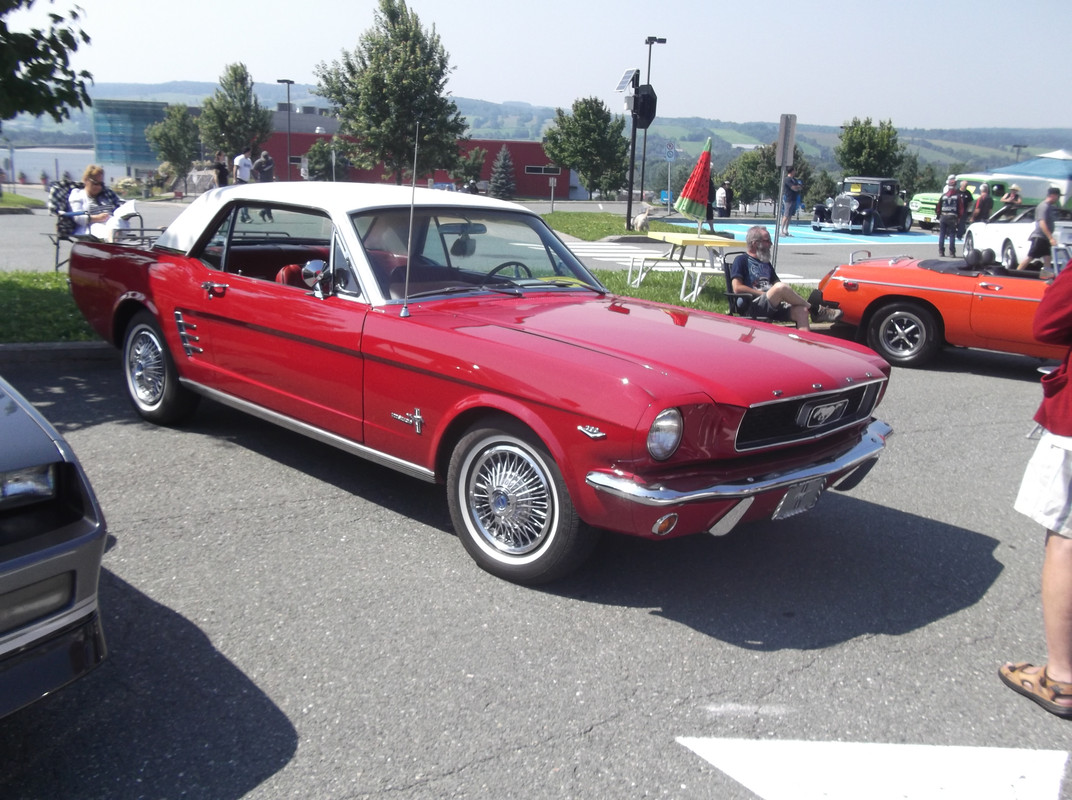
[(854, 204), (665, 434)]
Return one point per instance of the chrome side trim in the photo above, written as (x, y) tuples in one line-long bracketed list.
[(864, 452), (321, 435)]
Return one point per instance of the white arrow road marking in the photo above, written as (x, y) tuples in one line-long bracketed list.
[(797, 770)]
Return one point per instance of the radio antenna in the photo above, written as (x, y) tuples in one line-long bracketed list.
[(412, 204)]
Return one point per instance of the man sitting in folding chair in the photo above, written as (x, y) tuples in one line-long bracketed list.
[(759, 293)]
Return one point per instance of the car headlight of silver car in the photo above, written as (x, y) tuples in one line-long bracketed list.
[(29, 485), (664, 436)]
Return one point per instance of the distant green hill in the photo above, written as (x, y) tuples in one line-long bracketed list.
[(976, 148)]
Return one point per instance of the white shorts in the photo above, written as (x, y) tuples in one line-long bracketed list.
[(1046, 490)]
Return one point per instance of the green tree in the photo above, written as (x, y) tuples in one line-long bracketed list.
[(502, 183), (470, 166), (36, 76), (395, 79), (821, 187), (175, 139), (865, 149), (233, 119), (319, 160), (754, 175), (591, 142)]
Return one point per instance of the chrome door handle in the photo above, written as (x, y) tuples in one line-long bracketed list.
[(214, 289)]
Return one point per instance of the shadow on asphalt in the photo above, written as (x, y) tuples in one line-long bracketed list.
[(165, 715), (846, 569)]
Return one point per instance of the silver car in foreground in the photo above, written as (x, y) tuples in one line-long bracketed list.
[(52, 538)]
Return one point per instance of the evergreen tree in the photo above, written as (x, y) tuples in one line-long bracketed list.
[(395, 79), (233, 119), (590, 141), (175, 140), (35, 68), (502, 183)]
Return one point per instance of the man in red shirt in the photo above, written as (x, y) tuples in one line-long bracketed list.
[(1046, 497)]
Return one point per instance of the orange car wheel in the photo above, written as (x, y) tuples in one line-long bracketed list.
[(905, 334)]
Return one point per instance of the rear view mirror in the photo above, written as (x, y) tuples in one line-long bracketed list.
[(463, 247)]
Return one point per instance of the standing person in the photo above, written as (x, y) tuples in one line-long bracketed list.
[(93, 203), (791, 189), (219, 168), (984, 205), (243, 167), (1046, 497), (264, 172), (729, 198), (967, 200), (949, 212), (722, 207), (1013, 196), (752, 273), (1042, 238)]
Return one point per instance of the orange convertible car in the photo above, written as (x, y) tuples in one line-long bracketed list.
[(906, 309)]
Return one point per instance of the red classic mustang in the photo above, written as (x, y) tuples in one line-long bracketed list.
[(456, 339)]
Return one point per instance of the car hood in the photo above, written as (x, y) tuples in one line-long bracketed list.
[(28, 438), (735, 361)]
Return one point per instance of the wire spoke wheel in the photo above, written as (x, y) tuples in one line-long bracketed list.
[(510, 505), (510, 498)]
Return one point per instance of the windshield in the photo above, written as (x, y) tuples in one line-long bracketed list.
[(466, 249)]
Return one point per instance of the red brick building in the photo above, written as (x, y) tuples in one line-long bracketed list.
[(533, 171)]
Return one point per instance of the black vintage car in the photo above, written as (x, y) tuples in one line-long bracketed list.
[(865, 205)]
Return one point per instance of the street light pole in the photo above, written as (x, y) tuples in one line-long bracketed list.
[(288, 82), (651, 40)]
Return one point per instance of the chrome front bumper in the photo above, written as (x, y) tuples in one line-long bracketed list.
[(855, 462)]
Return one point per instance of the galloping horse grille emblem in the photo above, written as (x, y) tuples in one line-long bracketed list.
[(815, 415)]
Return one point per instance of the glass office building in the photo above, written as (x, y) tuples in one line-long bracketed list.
[(119, 134)]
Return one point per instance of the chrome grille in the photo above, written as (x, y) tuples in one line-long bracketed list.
[(798, 419)]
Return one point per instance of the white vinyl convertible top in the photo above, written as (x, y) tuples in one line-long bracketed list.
[(337, 199)]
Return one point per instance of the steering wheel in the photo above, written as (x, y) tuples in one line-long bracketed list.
[(517, 265)]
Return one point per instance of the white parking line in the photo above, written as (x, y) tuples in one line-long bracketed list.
[(854, 770)]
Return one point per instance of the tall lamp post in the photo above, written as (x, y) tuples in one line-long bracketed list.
[(288, 82), (651, 40)]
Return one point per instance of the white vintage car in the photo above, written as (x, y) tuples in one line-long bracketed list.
[(1007, 232)]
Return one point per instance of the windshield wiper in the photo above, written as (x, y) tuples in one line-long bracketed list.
[(567, 284), (513, 292)]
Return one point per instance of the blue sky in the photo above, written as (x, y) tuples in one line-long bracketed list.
[(919, 63)]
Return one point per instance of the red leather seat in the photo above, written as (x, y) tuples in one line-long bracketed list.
[(291, 275)]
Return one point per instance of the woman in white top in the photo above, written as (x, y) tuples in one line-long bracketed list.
[(94, 202)]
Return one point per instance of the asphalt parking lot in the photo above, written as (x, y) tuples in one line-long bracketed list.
[(285, 620)]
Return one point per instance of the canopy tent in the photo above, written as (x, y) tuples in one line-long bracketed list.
[(1055, 166)]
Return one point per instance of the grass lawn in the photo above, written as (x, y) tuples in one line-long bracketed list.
[(38, 308), (10, 200)]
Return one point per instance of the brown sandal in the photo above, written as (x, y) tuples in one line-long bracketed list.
[(1038, 687)]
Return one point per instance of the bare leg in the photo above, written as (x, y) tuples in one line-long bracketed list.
[(798, 306), (1057, 606)]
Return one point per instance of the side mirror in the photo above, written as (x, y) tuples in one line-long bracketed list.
[(313, 271)]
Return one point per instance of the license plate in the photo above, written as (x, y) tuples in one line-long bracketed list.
[(799, 498)]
